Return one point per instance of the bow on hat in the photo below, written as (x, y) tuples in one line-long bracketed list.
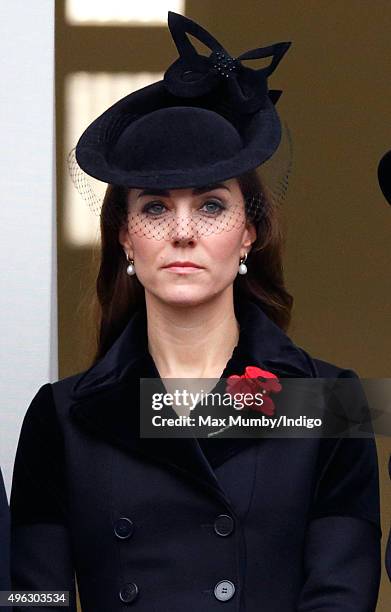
[(193, 74)]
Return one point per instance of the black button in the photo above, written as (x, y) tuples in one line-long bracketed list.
[(224, 525), (129, 592), (123, 528)]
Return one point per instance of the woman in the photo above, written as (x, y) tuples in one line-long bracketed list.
[(172, 524)]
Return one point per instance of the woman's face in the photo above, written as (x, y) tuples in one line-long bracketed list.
[(205, 226)]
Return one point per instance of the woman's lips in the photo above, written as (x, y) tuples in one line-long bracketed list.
[(183, 269)]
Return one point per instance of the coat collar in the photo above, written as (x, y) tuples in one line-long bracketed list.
[(261, 342), (104, 397)]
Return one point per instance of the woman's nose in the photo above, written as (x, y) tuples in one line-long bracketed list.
[(183, 227)]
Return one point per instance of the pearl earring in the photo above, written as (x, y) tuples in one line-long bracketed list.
[(242, 265), (130, 269)]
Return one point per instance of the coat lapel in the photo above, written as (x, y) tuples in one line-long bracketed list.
[(105, 398)]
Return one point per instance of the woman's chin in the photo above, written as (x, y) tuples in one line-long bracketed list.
[(186, 297)]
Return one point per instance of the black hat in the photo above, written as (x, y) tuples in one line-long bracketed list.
[(209, 119), (384, 175)]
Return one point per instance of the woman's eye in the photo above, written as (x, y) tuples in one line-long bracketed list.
[(153, 208), (216, 206), (156, 208)]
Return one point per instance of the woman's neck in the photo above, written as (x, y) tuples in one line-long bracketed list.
[(192, 341)]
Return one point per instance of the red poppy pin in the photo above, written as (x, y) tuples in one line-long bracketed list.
[(255, 380)]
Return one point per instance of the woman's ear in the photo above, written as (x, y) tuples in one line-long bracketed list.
[(123, 234), (250, 235), (125, 241)]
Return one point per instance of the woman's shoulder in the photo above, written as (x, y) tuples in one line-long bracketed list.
[(45, 407), (63, 386), (328, 369)]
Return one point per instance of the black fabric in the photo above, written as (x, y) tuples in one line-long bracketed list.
[(5, 581), (218, 450), (305, 511), (35, 481)]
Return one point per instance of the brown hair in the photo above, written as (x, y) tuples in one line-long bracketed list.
[(118, 295)]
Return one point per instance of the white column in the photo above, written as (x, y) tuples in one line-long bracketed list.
[(28, 268)]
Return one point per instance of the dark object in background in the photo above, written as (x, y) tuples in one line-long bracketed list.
[(384, 175), (388, 546), (5, 582)]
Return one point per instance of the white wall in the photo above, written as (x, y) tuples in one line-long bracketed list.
[(28, 291)]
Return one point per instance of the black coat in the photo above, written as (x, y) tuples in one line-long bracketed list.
[(282, 524), (5, 583)]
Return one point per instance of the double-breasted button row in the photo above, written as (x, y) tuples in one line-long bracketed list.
[(224, 590), (129, 592), (123, 528), (224, 525)]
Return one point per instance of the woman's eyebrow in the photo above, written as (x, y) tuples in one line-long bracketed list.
[(196, 190)]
